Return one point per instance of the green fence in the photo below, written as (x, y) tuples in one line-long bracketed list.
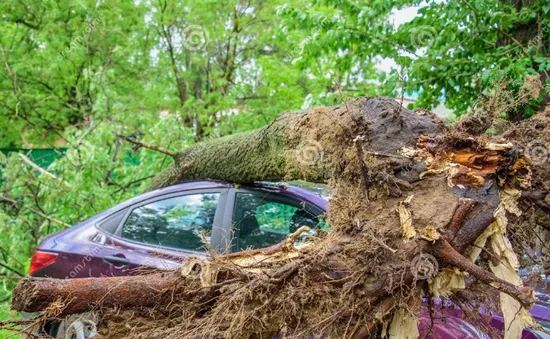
[(43, 157)]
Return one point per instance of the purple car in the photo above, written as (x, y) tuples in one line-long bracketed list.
[(160, 229)]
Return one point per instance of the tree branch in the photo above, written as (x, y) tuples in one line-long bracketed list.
[(38, 168), (34, 211), (149, 146), (446, 253), (12, 269)]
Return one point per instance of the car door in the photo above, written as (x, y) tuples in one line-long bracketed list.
[(256, 218), (160, 233)]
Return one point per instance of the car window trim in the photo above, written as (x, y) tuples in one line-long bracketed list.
[(217, 239), (166, 248), (215, 227), (226, 235)]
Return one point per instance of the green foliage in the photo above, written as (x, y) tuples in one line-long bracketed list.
[(76, 75), (452, 50), (5, 313)]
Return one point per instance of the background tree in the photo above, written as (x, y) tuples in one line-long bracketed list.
[(454, 50), (79, 75)]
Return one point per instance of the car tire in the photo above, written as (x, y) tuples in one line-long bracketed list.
[(76, 326)]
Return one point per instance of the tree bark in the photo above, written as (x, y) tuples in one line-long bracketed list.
[(300, 145), (81, 295)]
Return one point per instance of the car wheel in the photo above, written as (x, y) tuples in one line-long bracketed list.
[(77, 326)]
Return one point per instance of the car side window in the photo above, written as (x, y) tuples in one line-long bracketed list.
[(264, 219), (179, 222)]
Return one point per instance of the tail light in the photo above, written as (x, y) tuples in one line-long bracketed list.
[(40, 260)]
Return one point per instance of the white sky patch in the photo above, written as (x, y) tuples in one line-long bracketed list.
[(398, 17), (386, 64), (401, 16)]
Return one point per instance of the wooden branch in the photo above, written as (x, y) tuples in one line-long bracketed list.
[(27, 24), (4, 324), (180, 82), (461, 212), (286, 245), (480, 217), (85, 294), (379, 154), (35, 211), (149, 146), (443, 251), (38, 168), (12, 269)]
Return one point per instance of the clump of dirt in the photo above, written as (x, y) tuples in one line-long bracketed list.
[(530, 230), (533, 136)]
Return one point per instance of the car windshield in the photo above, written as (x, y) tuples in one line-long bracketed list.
[(321, 190)]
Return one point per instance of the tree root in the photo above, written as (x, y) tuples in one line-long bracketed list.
[(443, 251), (459, 215)]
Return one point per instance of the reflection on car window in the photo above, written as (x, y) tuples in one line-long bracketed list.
[(263, 219), (178, 222)]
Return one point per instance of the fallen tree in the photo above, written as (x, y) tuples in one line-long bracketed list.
[(419, 210), (303, 145)]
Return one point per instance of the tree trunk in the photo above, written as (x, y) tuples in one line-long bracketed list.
[(300, 145), (81, 295)]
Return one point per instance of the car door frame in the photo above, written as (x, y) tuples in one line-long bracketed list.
[(226, 234), (217, 225)]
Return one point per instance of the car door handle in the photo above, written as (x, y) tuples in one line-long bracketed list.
[(116, 260)]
